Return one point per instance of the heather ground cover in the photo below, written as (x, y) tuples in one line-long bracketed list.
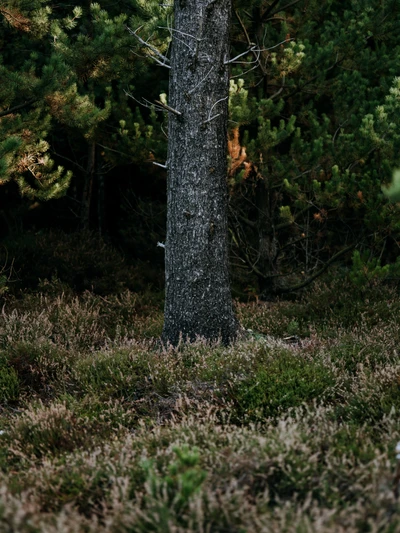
[(291, 429)]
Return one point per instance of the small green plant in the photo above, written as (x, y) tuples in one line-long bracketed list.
[(366, 270), (168, 495), (293, 327), (9, 383), (287, 381)]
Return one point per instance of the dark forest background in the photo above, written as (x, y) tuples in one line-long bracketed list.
[(313, 136)]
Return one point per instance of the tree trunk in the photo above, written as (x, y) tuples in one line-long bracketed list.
[(198, 299)]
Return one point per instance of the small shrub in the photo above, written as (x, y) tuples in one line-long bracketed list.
[(169, 495), (50, 431), (116, 374), (9, 382), (288, 380), (41, 368)]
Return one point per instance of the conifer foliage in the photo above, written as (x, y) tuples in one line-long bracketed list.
[(28, 76), (315, 104), (313, 130)]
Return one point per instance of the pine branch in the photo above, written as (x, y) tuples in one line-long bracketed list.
[(268, 10), (17, 107), (318, 273), (280, 9)]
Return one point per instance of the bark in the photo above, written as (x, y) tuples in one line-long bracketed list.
[(198, 298)]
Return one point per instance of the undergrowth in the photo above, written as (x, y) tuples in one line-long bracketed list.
[(291, 429)]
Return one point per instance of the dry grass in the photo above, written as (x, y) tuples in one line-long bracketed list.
[(104, 431)]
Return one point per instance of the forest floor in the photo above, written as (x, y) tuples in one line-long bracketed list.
[(291, 429)]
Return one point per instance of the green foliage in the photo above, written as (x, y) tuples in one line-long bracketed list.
[(311, 148), (392, 191), (115, 375), (365, 271), (9, 382), (170, 495), (71, 91), (27, 80), (286, 381)]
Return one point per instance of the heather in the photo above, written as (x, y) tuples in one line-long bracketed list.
[(292, 428)]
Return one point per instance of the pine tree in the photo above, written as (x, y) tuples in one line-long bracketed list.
[(27, 79), (318, 121), (70, 99)]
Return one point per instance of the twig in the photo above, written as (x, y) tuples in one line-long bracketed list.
[(168, 108), (245, 72), (159, 164), (181, 32), (210, 118), (240, 55), (145, 103), (320, 271), (201, 81), (269, 9), (278, 92), (290, 4), (164, 60), (113, 150), (70, 160), (16, 107)]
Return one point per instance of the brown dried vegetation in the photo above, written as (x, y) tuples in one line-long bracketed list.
[(291, 429)]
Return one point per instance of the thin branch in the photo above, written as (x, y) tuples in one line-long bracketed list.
[(180, 32), (213, 117), (70, 160), (145, 103), (168, 108), (245, 72), (257, 51), (282, 8), (269, 9), (161, 63), (17, 107), (164, 60), (280, 90), (159, 165), (249, 42), (337, 131), (113, 150), (318, 273), (275, 45), (240, 55), (217, 102), (164, 132), (210, 119), (201, 81), (289, 223)]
